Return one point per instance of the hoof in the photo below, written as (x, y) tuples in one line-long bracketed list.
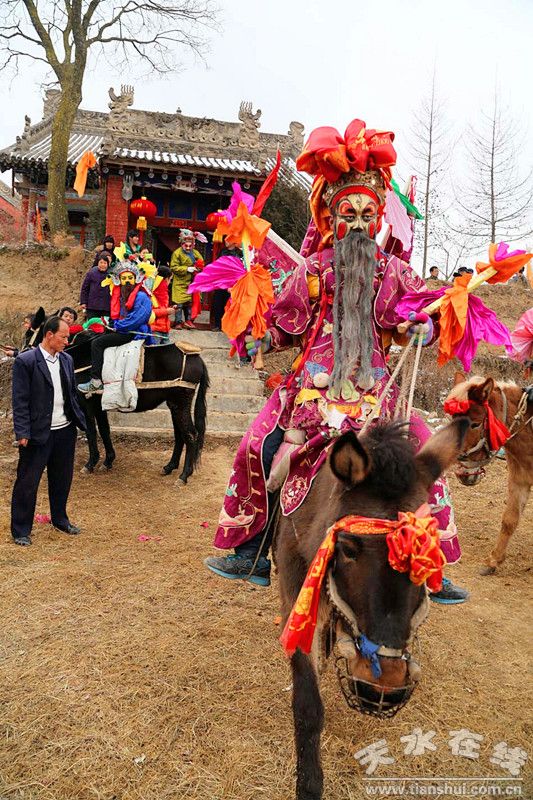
[(486, 570), (180, 483), (106, 467), (86, 470), (167, 470)]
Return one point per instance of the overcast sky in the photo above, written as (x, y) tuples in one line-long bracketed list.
[(324, 63)]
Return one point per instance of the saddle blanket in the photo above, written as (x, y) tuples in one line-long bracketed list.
[(121, 365)]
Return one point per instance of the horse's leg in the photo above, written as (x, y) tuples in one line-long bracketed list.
[(178, 442), (517, 495), (92, 440), (105, 432), (307, 707), (308, 712), (189, 436)]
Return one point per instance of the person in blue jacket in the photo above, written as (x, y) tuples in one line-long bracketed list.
[(131, 310)]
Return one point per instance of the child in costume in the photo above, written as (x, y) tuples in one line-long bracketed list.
[(184, 264)]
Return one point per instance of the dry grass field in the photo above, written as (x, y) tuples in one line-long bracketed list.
[(128, 672)]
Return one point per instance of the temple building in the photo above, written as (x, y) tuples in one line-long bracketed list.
[(185, 165)]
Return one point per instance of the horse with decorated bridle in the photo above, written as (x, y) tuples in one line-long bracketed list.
[(501, 415), (360, 592)]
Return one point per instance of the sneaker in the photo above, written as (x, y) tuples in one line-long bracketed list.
[(189, 324), (449, 594), (239, 568), (25, 541), (94, 385)]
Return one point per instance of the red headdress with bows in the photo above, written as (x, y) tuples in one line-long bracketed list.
[(347, 159)]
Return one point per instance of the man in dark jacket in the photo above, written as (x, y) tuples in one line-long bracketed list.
[(46, 413), (94, 298)]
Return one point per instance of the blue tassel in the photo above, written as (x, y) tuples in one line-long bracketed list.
[(369, 650)]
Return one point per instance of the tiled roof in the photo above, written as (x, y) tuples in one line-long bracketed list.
[(39, 151), (176, 159), (289, 171)]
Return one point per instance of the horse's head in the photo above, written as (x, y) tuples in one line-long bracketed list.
[(471, 398), (34, 334), (377, 608)]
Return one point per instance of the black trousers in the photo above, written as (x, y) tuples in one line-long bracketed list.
[(96, 312), (270, 447), (57, 455), (220, 298), (99, 344)]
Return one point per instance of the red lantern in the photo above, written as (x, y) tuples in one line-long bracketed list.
[(212, 221), (143, 208)]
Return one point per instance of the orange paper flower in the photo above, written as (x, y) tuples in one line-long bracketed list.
[(452, 320), (250, 299), (506, 263), (244, 225)]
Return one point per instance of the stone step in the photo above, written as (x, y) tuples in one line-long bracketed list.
[(220, 421), (233, 384), (160, 419), (234, 402), (203, 339), (227, 368)]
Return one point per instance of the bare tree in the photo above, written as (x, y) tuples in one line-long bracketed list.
[(453, 249), (495, 197), (430, 150), (64, 34)]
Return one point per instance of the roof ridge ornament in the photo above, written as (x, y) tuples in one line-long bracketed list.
[(249, 133)]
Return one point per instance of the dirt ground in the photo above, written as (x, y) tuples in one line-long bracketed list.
[(128, 672)]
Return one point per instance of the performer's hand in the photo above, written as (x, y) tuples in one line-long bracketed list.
[(423, 326), (22, 442), (191, 269)]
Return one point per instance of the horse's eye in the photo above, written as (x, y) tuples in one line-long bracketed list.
[(349, 550), (475, 425)]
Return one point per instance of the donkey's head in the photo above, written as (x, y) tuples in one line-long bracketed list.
[(377, 607), (474, 398)]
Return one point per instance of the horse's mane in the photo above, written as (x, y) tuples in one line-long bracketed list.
[(460, 391), (393, 459)]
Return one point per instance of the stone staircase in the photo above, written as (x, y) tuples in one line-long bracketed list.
[(234, 398)]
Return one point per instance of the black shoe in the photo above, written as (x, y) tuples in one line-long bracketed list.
[(24, 541), (73, 530)]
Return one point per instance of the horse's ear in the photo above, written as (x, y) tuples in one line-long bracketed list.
[(38, 318), (459, 377), (481, 393), (441, 450), (349, 461)]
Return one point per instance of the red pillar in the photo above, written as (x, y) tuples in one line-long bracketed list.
[(116, 210)]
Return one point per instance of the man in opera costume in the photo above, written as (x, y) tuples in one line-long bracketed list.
[(339, 306)]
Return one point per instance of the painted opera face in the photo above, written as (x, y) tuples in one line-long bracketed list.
[(188, 244), (356, 208), (127, 278)]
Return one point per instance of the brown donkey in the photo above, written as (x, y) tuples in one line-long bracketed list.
[(368, 612), (489, 405)]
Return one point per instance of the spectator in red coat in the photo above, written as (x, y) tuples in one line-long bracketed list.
[(162, 310)]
